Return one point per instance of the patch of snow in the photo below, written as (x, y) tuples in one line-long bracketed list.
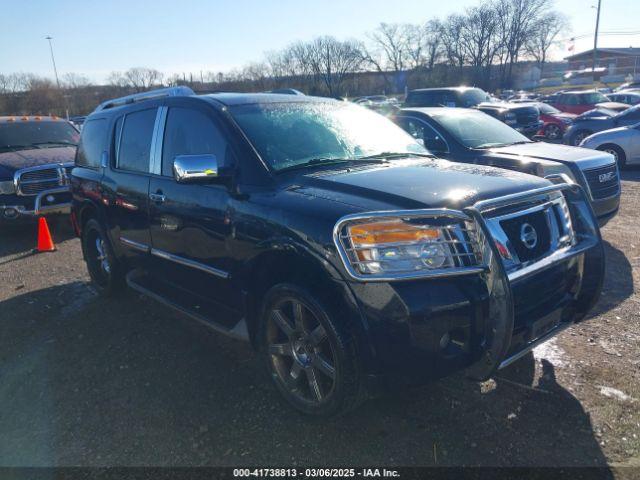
[(551, 352), (615, 393)]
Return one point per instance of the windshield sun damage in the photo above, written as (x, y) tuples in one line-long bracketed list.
[(17, 135), (476, 129), (291, 134)]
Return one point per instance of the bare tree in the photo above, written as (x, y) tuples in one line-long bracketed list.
[(331, 61), (75, 80), (142, 78), (517, 21), (543, 35)]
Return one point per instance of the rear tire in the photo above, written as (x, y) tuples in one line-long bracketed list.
[(617, 152), (309, 355), (105, 270), (552, 132)]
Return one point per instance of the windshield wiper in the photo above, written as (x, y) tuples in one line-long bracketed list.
[(35, 144), (14, 147), (315, 162), (385, 155)]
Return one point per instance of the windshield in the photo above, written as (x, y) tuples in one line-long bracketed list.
[(33, 134), (594, 97), (475, 129), (474, 96), (547, 109), (291, 134)]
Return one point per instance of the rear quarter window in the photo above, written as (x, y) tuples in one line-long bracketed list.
[(92, 143)]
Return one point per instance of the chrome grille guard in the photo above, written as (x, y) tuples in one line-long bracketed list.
[(582, 219)]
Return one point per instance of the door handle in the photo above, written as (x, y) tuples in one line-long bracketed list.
[(157, 197)]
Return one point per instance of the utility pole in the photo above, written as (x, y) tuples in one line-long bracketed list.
[(595, 43), (53, 60)]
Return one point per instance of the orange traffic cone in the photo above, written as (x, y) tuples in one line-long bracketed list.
[(45, 242)]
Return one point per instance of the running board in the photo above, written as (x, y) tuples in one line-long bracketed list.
[(195, 309)]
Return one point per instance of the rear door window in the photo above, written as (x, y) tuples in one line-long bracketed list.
[(134, 148), (92, 142)]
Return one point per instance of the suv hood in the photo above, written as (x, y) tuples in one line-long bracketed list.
[(12, 161), (410, 184), (549, 151)]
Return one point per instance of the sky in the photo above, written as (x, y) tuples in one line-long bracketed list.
[(94, 38)]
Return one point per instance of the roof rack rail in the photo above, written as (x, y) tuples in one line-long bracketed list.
[(140, 97)]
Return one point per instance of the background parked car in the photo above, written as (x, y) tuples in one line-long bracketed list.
[(446, 97), (627, 86), (36, 157), (470, 136), (623, 143), (554, 122), (613, 106), (578, 101), (628, 97), (525, 118), (592, 122)]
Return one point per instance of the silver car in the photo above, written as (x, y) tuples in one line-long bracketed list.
[(622, 142)]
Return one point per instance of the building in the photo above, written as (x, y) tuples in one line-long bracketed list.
[(617, 61)]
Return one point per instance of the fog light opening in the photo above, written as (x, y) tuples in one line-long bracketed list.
[(10, 213), (50, 198)]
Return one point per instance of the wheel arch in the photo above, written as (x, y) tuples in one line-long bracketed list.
[(286, 261)]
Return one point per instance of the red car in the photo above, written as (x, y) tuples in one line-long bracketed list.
[(579, 101), (554, 121)]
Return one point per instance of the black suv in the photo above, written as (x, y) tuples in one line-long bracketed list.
[(524, 118), (329, 238)]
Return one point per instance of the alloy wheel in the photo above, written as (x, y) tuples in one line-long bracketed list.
[(301, 356), (614, 153), (552, 131)]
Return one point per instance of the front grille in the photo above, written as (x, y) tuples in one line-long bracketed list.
[(38, 179), (603, 181), (532, 222)]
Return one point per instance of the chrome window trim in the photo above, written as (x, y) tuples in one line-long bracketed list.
[(62, 177), (155, 156), (189, 263), (142, 247)]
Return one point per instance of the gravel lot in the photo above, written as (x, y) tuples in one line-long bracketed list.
[(87, 381)]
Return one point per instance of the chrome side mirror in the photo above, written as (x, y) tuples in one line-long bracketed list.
[(195, 168)]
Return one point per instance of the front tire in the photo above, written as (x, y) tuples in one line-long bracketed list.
[(309, 355), (578, 137), (617, 152), (105, 270)]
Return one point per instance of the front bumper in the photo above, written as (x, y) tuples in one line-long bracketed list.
[(53, 201), (428, 328)]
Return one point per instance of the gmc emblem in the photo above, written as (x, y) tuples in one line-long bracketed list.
[(605, 177)]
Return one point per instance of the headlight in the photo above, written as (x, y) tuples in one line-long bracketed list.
[(546, 168), (397, 247), (7, 187)]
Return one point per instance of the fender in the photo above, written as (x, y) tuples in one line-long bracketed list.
[(309, 256)]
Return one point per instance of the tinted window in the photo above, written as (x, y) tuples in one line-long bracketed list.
[(569, 99), (434, 98), (190, 132), (22, 134), (422, 131), (135, 143), (92, 142)]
